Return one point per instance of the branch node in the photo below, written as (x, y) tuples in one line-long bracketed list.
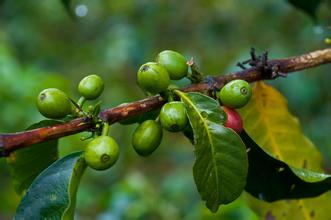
[(213, 88), (242, 65), (261, 63)]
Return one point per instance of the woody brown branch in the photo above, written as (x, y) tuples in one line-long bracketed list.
[(14, 141)]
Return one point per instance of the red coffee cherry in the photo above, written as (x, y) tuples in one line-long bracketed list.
[(234, 120)]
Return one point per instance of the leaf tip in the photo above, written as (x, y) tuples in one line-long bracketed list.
[(213, 207)]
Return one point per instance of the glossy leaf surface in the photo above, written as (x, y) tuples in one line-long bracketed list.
[(53, 193), (221, 161), (271, 179)]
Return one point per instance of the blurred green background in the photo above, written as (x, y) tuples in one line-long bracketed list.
[(42, 46)]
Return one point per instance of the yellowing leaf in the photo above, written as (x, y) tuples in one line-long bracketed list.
[(301, 209), (268, 121)]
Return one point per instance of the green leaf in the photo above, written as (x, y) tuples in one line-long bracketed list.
[(26, 164), (221, 162), (270, 179), (269, 123), (308, 6), (53, 193)]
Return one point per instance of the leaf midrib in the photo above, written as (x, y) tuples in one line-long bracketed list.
[(209, 138), (275, 145), (267, 125)]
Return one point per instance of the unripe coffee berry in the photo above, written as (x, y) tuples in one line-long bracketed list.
[(53, 103), (91, 87), (174, 62), (101, 153), (235, 94), (234, 120), (147, 137), (153, 78), (173, 116)]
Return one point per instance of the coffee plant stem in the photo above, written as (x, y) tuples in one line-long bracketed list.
[(13, 141)]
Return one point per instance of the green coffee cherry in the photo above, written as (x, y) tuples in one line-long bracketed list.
[(173, 116), (174, 62), (147, 137), (153, 78), (235, 94), (91, 87), (101, 153), (53, 103)]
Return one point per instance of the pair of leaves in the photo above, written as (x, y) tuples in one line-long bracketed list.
[(268, 178)]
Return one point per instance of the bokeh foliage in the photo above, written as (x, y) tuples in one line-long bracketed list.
[(42, 46)]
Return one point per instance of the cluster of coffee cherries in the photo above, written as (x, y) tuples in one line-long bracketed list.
[(153, 78), (103, 151)]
